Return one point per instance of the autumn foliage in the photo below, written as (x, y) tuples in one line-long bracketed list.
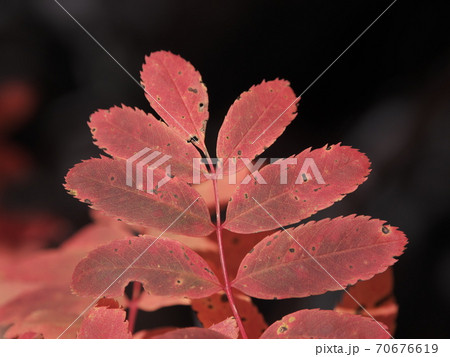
[(214, 245)]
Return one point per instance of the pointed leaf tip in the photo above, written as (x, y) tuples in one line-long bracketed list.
[(176, 92), (255, 120)]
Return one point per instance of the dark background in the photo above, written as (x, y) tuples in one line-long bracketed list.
[(389, 96)]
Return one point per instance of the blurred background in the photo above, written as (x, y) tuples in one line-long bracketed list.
[(389, 96)]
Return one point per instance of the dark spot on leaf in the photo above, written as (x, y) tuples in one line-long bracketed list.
[(228, 138), (235, 240), (292, 250), (243, 319), (351, 266), (178, 282), (224, 298), (129, 241), (119, 219), (275, 298), (179, 72), (168, 144), (158, 97), (305, 179), (115, 249), (271, 90), (210, 306), (89, 202), (268, 243), (282, 329), (186, 256), (245, 267), (193, 139), (171, 251), (278, 258), (239, 152), (296, 198), (251, 250), (385, 230), (193, 90), (209, 271), (175, 195), (201, 106), (313, 249), (245, 195), (112, 178), (328, 148), (304, 200)]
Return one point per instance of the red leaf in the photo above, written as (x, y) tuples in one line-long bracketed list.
[(192, 333), (349, 249), (148, 302), (324, 324), (56, 265), (216, 308), (103, 322), (255, 120), (178, 94), (376, 296), (341, 167), (102, 183), (122, 132), (166, 268), (227, 327), (47, 311)]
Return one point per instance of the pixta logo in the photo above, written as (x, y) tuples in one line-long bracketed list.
[(143, 163)]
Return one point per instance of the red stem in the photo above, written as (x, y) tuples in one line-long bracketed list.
[(133, 306), (222, 256)]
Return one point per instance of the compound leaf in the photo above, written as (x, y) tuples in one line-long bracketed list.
[(123, 132), (255, 120), (164, 267), (291, 193), (322, 324), (103, 184), (318, 257), (176, 92)]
